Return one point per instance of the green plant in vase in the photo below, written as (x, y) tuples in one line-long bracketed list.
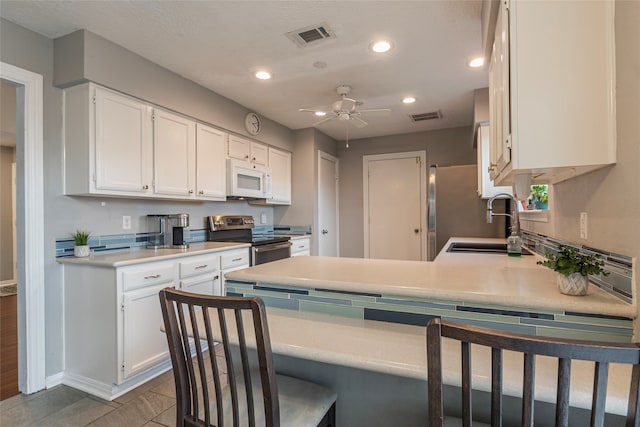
[(81, 239), (540, 196), (573, 269)]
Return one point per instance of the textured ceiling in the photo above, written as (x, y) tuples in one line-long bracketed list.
[(220, 44)]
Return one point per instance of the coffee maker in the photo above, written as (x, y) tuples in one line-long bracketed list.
[(167, 231), (178, 223)]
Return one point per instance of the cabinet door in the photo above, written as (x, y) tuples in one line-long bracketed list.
[(259, 154), (174, 154), (211, 166), (209, 284), (122, 143), (503, 145), (238, 148), (280, 167), (144, 344), (486, 188)]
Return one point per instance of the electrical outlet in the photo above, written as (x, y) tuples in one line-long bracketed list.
[(263, 218), (126, 222), (583, 225)]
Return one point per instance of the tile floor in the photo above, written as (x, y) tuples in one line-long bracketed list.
[(151, 404)]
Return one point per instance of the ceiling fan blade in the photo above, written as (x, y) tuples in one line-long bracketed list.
[(381, 111), (358, 122), (326, 119)]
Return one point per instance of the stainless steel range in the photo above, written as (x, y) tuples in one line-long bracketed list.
[(239, 228)]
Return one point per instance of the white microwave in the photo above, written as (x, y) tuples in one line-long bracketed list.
[(247, 181)]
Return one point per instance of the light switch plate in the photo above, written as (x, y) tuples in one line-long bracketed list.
[(263, 218), (126, 222)]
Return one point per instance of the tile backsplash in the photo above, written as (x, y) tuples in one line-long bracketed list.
[(618, 283)]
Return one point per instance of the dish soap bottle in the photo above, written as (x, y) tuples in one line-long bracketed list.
[(514, 245)]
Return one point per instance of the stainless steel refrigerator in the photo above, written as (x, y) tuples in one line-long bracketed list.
[(454, 208)]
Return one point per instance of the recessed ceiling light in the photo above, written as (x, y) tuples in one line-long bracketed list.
[(476, 62), (320, 113), (263, 75), (408, 100), (380, 46)]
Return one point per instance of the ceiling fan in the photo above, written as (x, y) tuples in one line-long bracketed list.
[(345, 110)]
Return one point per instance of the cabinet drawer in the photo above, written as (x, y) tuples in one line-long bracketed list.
[(199, 265), (300, 245), (147, 275), (234, 258)]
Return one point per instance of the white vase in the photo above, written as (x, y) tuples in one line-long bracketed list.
[(573, 284), (81, 251)]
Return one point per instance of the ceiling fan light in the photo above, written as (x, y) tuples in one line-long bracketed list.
[(263, 75), (320, 113), (408, 100), (380, 46)]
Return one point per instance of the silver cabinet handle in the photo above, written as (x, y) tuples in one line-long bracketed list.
[(216, 277), (201, 192), (202, 266), (145, 187), (153, 276), (190, 191), (236, 259), (325, 231)]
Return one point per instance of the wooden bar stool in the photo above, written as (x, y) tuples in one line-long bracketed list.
[(252, 394), (564, 350)]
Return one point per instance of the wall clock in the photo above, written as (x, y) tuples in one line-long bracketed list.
[(252, 123)]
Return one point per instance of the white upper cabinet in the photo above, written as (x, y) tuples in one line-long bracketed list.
[(552, 90), (486, 189), (108, 143), (211, 166), (280, 167), (174, 155), (245, 149)]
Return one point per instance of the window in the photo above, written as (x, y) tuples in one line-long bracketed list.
[(538, 198)]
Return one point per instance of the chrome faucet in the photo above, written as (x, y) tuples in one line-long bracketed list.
[(515, 220)]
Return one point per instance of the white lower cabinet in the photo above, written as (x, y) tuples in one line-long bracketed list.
[(142, 349), (201, 274), (112, 316), (300, 246)]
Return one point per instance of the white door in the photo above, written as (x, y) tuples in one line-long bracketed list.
[(395, 206), (328, 230), (211, 163), (174, 154)]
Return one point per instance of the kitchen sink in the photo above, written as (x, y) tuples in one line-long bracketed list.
[(482, 248)]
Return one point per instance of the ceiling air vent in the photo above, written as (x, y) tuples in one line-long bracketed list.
[(426, 116), (312, 34)]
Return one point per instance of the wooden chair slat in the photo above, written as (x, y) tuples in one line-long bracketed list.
[(434, 375), (496, 387), (466, 384), (564, 385), (600, 377), (633, 410), (528, 389)]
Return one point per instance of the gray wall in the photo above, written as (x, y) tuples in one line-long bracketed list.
[(611, 196), (84, 56), (7, 158), (65, 214), (444, 147), (304, 176)]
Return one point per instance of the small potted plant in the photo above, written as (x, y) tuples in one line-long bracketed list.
[(81, 239), (540, 196), (573, 269)]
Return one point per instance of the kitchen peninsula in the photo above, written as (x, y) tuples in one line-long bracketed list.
[(357, 325)]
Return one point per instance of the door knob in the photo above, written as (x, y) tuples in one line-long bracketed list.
[(325, 231), (416, 230)]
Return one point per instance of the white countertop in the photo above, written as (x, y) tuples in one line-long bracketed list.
[(483, 278), (137, 256), (400, 350)]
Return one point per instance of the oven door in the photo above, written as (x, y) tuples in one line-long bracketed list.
[(271, 252)]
